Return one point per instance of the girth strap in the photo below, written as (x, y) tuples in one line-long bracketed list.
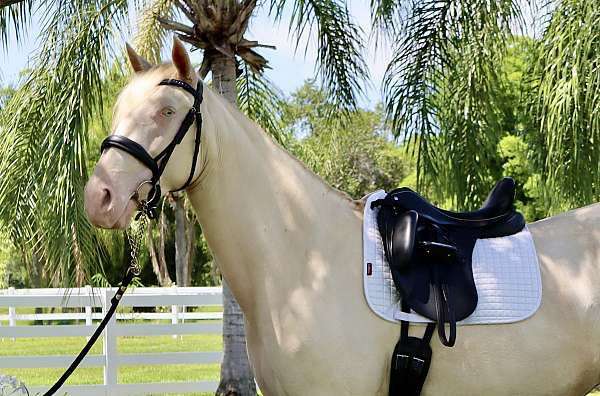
[(410, 361)]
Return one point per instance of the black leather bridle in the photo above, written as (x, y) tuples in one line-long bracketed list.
[(158, 163)]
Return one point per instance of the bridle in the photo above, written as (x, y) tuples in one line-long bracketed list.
[(158, 163), (147, 206)]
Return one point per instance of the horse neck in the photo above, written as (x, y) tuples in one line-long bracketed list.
[(259, 206)]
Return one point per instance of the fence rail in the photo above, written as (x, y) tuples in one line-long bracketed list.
[(89, 300)]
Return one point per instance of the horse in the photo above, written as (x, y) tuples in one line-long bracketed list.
[(290, 248)]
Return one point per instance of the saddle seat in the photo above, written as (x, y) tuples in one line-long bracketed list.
[(429, 250), (499, 202)]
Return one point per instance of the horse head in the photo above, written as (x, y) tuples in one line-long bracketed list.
[(143, 155)]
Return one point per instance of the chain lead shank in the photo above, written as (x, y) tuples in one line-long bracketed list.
[(135, 240)]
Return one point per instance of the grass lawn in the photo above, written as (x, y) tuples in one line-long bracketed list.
[(127, 374)]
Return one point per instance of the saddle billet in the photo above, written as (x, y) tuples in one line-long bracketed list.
[(429, 252)]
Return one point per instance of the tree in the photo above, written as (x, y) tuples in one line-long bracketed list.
[(443, 87), (352, 153), (567, 104)]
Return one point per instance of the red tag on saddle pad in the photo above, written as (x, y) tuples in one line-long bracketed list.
[(369, 269)]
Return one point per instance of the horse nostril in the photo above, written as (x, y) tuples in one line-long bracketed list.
[(106, 198)]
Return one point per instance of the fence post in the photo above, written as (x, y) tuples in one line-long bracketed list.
[(109, 347), (88, 308), (174, 311), (12, 312)]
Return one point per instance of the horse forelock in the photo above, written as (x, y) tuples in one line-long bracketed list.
[(139, 86)]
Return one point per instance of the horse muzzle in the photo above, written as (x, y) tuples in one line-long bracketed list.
[(104, 207)]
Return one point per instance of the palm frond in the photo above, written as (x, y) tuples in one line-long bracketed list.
[(411, 79), (439, 90), (262, 101), (386, 17), (150, 37), (45, 146), (567, 74), (340, 62), (14, 19)]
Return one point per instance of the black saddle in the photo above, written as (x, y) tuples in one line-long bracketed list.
[(429, 250)]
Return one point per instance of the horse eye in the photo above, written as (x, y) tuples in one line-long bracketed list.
[(167, 112)]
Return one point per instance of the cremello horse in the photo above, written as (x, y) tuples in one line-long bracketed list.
[(290, 247)]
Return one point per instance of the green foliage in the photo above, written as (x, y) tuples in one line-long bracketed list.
[(14, 19), (460, 83), (442, 86), (6, 253), (567, 78), (45, 146), (517, 163), (351, 153), (514, 150), (151, 36), (6, 92), (262, 102)]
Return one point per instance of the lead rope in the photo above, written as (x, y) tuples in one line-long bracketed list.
[(134, 238)]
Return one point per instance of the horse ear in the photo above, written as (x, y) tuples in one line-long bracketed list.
[(181, 60), (138, 63)]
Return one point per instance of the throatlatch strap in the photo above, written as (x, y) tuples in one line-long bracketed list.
[(410, 361)]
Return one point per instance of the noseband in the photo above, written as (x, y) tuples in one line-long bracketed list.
[(158, 163)]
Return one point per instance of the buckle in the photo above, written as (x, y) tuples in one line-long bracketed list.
[(412, 363), (438, 249)]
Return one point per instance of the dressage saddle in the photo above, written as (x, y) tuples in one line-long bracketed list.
[(429, 252)]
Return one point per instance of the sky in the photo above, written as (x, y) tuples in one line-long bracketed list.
[(290, 68)]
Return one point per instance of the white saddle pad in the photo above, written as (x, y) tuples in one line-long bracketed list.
[(506, 273)]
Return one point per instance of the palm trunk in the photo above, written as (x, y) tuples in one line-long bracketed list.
[(181, 245), (191, 244), (159, 267), (237, 377), (35, 278), (162, 259)]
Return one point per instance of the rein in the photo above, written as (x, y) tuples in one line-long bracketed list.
[(146, 207)]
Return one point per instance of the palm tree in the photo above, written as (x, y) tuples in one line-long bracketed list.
[(567, 104), (442, 91), (45, 149)]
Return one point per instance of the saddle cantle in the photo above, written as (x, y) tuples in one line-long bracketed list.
[(429, 252)]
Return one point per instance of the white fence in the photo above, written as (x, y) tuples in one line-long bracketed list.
[(86, 299)]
